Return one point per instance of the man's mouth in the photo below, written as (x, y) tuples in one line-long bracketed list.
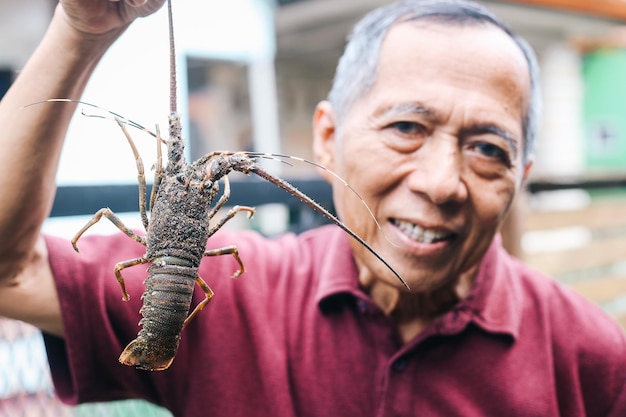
[(420, 234)]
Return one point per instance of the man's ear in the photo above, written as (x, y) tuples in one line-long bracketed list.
[(324, 137), (525, 173), (527, 168)]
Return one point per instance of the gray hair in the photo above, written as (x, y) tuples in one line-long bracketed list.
[(356, 71)]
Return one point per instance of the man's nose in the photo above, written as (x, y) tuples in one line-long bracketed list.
[(437, 173)]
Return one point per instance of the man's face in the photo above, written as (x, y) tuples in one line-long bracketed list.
[(435, 149)]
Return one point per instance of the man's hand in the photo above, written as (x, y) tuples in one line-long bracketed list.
[(100, 17)]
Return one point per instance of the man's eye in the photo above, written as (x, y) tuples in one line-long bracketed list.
[(492, 151), (408, 128)]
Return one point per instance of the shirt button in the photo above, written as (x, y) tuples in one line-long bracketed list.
[(400, 365), (362, 307)]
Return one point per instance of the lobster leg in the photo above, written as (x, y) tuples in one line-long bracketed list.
[(228, 250), (141, 177), (208, 294), (118, 273), (158, 169), (223, 199), (231, 213), (106, 212), (232, 250)]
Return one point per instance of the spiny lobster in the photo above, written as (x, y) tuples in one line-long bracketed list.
[(178, 231)]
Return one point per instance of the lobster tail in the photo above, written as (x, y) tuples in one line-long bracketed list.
[(166, 301), (151, 355)]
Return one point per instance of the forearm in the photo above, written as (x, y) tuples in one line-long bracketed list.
[(32, 137)]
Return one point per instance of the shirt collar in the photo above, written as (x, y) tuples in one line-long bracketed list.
[(493, 304), (338, 273)]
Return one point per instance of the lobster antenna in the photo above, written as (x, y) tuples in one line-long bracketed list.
[(116, 116), (276, 156), (173, 108), (280, 183)]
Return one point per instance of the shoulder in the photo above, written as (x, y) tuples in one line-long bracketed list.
[(563, 308), (586, 343)]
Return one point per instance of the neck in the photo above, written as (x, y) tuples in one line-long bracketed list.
[(413, 312)]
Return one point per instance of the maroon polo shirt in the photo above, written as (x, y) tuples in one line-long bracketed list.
[(295, 336)]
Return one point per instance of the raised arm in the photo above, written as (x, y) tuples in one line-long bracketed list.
[(31, 140)]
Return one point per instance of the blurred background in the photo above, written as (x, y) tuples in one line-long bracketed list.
[(250, 75)]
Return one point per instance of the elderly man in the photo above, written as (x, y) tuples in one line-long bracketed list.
[(431, 118)]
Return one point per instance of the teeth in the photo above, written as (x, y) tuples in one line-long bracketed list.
[(420, 234)]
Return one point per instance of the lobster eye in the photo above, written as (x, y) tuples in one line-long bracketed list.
[(180, 178), (219, 165)]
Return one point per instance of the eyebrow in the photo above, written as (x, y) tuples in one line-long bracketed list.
[(407, 108)]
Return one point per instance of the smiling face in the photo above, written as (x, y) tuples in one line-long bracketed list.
[(434, 148)]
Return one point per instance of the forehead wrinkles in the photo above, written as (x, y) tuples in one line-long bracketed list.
[(471, 51), (477, 59)]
